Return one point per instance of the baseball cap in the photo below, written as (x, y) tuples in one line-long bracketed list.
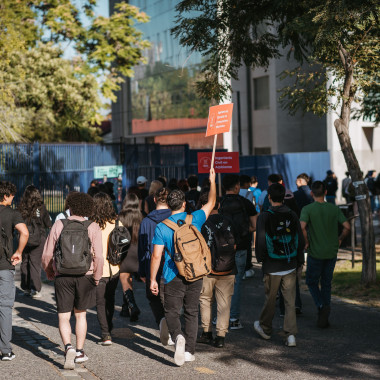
[(141, 180)]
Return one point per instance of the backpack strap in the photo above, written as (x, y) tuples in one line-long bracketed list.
[(87, 223), (173, 226), (188, 219)]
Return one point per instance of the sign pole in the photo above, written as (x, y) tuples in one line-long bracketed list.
[(213, 152), (220, 184)]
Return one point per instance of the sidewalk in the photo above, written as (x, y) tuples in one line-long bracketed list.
[(350, 348)]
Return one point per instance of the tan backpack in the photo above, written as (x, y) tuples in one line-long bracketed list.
[(192, 255)]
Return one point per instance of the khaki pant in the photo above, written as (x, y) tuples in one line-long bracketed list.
[(288, 289), (224, 289)]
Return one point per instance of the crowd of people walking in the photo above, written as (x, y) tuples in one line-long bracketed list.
[(189, 246)]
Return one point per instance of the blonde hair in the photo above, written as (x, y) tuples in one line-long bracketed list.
[(154, 186)]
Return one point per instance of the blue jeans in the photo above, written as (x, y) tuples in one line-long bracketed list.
[(7, 299), (320, 270), (240, 261)]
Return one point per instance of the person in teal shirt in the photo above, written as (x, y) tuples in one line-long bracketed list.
[(320, 221)]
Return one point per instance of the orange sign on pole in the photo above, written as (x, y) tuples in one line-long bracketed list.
[(219, 119)]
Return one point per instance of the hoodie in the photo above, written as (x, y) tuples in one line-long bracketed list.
[(145, 246), (303, 196), (276, 265)]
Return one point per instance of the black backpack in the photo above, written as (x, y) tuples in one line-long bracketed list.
[(35, 235), (4, 241), (234, 209), (73, 248), (221, 244), (119, 241), (281, 235)]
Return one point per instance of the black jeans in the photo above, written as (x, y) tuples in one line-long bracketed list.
[(31, 267), (105, 302), (156, 303), (178, 293)]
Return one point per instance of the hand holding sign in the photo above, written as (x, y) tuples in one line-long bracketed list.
[(219, 121)]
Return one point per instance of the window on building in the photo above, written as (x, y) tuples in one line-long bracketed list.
[(262, 151), (368, 133), (261, 93)]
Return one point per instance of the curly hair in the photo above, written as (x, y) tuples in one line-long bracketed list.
[(161, 195), (30, 202), (175, 199), (81, 204), (7, 188), (103, 210), (67, 200), (131, 215)]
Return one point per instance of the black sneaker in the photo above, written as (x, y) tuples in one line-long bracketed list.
[(124, 310), (8, 357), (219, 342), (205, 338), (323, 317)]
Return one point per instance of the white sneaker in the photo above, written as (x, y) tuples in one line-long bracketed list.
[(164, 332), (249, 273), (70, 355), (189, 357), (179, 355), (80, 357), (290, 341), (260, 331), (170, 341), (35, 294)]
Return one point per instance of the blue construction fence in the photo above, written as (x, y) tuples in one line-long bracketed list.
[(57, 169)]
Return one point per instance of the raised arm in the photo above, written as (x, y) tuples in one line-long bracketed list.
[(208, 207)]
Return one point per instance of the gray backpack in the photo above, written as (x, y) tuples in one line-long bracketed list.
[(73, 248)]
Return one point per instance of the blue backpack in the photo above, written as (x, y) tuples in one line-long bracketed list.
[(281, 235)]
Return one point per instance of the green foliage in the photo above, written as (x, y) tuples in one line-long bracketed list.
[(107, 49), (54, 100), (232, 32)]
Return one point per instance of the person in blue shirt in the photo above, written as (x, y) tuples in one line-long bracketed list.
[(178, 292), (145, 249)]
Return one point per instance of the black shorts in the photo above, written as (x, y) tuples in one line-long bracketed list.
[(77, 292)]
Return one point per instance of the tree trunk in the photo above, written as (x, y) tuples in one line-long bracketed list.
[(361, 190)]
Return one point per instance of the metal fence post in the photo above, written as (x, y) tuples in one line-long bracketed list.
[(36, 164)]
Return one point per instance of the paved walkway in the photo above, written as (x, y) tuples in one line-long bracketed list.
[(350, 348)]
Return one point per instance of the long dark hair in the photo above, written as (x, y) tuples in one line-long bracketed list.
[(31, 201), (131, 216), (103, 211)]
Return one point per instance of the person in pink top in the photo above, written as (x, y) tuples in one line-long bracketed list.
[(74, 291)]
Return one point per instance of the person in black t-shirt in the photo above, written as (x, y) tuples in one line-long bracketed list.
[(37, 219), (243, 214), (192, 196), (9, 221)]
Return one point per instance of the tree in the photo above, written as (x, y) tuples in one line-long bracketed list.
[(107, 49), (339, 38)]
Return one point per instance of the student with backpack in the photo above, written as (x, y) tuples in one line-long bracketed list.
[(279, 247), (187, 260), (73, 256), (218, 233), (243, 215), (131, 217), (145, 249), (37, 220), (105, 216), (10, 220)]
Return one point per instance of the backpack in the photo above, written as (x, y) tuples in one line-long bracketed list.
[(73, 248), (4, 241), (34, 230), (119, 241), (281, 235), (222, 245), (234, 209), (192, 255)]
